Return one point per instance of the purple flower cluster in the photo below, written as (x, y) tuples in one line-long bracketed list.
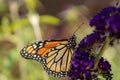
[(84, 60), (108, 21), (82, 67), (95, 39), (105, 68), (85, 64)]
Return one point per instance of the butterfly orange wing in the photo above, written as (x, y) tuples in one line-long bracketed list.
[(38, 48), (55, 55)]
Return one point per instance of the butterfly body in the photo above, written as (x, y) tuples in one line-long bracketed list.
[(54, 55)]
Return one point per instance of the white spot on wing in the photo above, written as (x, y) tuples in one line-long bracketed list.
[(34, 46), (40, 44), (24, 49), (34, 55)]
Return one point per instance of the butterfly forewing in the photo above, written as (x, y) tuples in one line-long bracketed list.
[(55, 55)]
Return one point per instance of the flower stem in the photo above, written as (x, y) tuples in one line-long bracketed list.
[(101, 52)]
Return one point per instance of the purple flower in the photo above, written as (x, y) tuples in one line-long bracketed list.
[(84, 59), (107, 21), (105, 68), (90, 41)]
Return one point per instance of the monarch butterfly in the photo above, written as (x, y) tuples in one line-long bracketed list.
[(54, 55)]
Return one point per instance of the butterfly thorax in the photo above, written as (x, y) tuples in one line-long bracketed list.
[(72, 42)]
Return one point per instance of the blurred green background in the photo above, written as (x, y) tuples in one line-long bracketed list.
[(25, 21)]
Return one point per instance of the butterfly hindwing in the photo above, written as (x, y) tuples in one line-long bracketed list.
[(57, 60), (55, 55)]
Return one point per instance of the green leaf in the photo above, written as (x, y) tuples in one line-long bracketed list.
[(20, 23), (47, 19)]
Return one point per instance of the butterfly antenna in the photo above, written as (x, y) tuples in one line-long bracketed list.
[(78, 28)]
